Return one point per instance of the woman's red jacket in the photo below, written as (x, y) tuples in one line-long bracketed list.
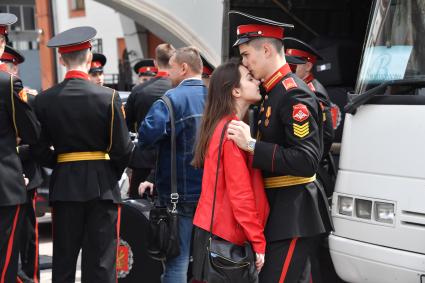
[(241, 207)]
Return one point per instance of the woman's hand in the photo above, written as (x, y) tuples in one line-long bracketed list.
[(259, 261), (144, 186)]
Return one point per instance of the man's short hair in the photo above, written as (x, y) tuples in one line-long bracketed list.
[(277, 44), (191, 56), (75, 58), (163, 53)]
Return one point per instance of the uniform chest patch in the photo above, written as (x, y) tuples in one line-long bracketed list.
[(289, 83), (300, 112)]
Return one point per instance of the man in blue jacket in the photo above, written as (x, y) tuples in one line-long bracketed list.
[(188, 100)]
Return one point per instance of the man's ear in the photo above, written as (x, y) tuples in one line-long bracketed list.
[(308, 66), (184, 68), (62, 61), (267, 48)]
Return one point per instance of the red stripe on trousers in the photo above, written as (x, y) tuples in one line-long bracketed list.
[(288, 260), (118, 237), (35, 278), (10, 244)]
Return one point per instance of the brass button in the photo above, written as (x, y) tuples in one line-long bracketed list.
[(259, 122), (262, 109), (266, 97)]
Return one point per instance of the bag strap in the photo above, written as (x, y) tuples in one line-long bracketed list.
[(174, 195), (216, 174)]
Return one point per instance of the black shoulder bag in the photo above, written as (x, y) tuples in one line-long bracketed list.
[(227, 262), (163, 236)]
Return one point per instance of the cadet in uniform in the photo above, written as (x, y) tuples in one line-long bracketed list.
[(29, 230), (309, 56), (96, 69), (288, 148), (138, 104), (18, 122), (145, 69), (207, 69), (84, 123)]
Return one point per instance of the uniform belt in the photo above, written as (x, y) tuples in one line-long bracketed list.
[(286, 181), (82, 156)]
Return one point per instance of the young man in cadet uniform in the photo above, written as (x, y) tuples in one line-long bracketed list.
[(29, 232), (145, 69), (138, 104), (96, 69), (18, 122), (84, 123), (308, 55), (288, 148)]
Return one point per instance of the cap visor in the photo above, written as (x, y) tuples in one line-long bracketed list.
[(294, 60)]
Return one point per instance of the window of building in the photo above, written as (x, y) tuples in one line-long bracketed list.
[(97, 46), (77, 8)]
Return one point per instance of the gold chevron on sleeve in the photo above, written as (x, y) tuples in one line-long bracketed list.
[(301, 130)]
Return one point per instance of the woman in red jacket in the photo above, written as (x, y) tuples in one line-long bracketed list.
[(241, 207)]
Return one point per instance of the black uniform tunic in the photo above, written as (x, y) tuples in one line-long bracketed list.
[(288, 150), (79, 116), (17, 120)]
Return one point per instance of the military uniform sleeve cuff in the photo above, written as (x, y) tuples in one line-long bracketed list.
[(264, 156)]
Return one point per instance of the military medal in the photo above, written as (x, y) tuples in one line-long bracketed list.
[(268, 113)]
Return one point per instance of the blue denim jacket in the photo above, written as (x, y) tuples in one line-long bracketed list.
[(188, 100)]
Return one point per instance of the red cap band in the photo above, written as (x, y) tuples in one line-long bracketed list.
[(206, 71), (260, 31), (3, 30), (95, 64), (296, 52), (148, 69), (9, 58), (76, 47)]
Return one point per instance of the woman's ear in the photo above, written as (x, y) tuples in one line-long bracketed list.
[(236, 92)]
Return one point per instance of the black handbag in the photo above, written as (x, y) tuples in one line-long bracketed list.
[(163, 235), (225, 261)]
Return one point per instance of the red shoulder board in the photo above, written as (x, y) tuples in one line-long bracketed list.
[(311, 86), (289, 83), (300, 112)]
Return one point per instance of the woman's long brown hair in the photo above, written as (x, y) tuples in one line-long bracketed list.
[(219, 104)]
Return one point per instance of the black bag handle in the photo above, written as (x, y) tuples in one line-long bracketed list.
[(174, 195), (216, 174)]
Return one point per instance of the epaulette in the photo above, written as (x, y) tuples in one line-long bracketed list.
[(289, 83)]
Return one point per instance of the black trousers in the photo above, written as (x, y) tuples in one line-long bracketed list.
[(138, 175), (29, 241), (94, 227), (287, 261), (10, 226)]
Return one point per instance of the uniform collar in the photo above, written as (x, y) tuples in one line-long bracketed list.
[(75, 74), (309, 78), (274, 79), (162, 74)]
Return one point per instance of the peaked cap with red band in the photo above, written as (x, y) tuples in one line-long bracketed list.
[(207, 68), (146, 67), (97, 63), (12, 55), (300, 50), (249, 27), (72, 40), (6, 20)]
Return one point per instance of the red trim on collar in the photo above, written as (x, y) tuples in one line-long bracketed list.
[(75, 74), (76, 47), (3, 67), (206, 71), (300, 53), (162, 74), (275, 78), (309, 78)]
